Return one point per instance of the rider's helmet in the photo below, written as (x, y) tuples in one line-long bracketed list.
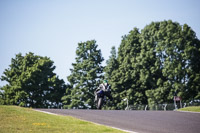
[(105, 81)]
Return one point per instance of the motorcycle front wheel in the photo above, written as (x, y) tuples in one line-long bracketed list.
[(99, 103)]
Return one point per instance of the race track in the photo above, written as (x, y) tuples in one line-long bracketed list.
[(139, 121)]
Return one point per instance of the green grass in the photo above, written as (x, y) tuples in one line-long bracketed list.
[(192, 109), (14, 119)]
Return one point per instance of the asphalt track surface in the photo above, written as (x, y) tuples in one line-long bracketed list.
[(138, 121)]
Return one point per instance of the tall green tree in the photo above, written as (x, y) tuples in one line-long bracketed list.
[(85, 76), (154, 65), (125, 79), (176, 48), (111, 64), (32, 82)]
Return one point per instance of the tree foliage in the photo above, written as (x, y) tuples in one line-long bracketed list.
[(156, 63), (32, 82), (177, 55), (111, 64), (85, 76), (150, 67), (124, 78)]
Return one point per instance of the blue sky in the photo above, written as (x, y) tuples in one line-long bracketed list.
[(53, 28)]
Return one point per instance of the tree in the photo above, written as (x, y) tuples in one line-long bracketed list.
[(155, 64), (32, 83), (176, 47), (85, 76), (125, 78), (111, 64)]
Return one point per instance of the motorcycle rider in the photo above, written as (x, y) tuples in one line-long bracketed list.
[(106, 88)]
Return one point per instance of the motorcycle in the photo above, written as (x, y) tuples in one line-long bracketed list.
[(101, 98)]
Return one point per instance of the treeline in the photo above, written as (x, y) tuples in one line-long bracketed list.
[(150, 67), (155, 64), (32, 83)]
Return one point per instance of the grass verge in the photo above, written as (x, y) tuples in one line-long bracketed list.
[(24, 120), (191, 108)]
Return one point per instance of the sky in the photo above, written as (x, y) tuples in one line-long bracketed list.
[(53, 28)]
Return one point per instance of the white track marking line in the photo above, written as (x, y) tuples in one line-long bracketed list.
[(187, 111)]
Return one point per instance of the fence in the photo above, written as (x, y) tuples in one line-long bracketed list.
[(169, 106)]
